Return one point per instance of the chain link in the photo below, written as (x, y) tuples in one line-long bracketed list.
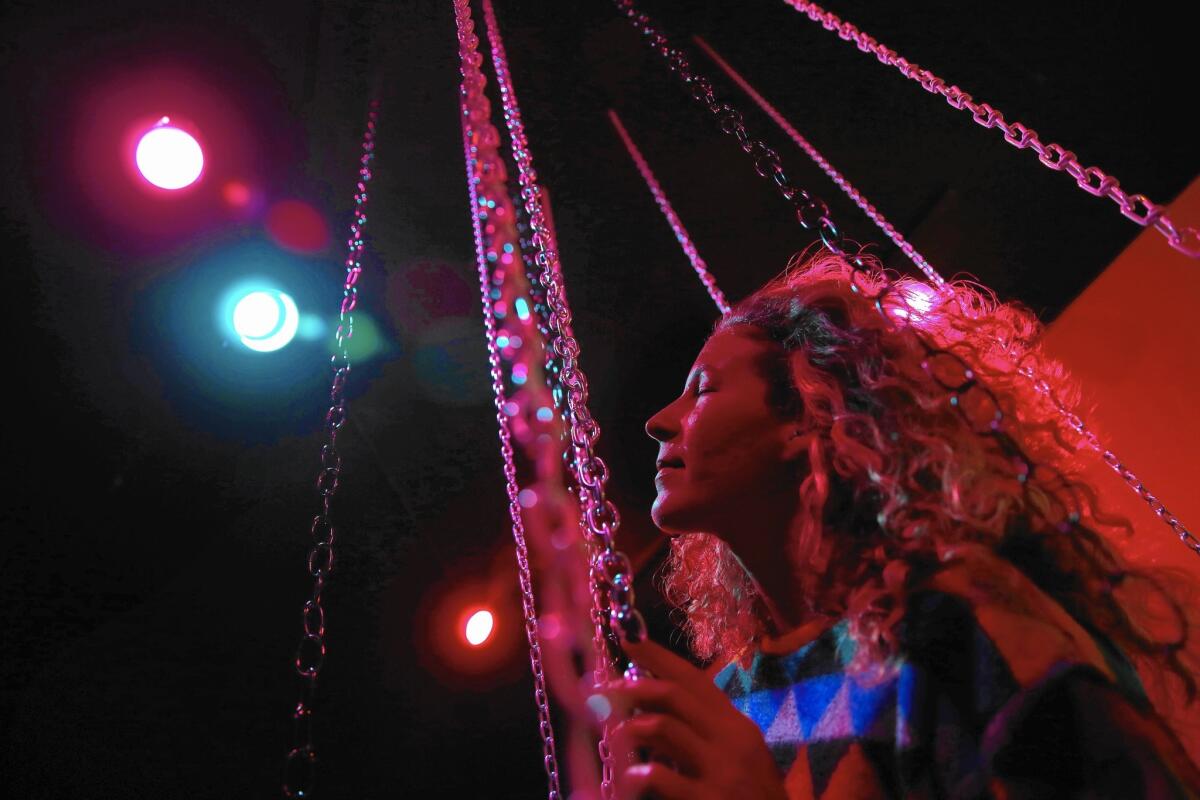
[(664, 204), (840, 180), (1110, 458), (1097, 184), (969, 396), (487, 190), (600, 519), (301, 760), (1091, 179)]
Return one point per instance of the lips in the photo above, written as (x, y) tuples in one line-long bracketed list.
[(669, 463)]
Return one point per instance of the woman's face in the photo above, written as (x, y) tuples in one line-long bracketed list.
[(726, 458)]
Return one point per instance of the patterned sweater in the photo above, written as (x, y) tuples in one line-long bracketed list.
[(997, 693)]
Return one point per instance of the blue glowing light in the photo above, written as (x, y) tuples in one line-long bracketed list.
[(266, 321), (256, 315), (311, 327), (522, 307)]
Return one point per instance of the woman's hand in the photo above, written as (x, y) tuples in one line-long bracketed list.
[(700, 746)]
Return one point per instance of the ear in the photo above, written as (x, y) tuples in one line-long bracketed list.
[(797, 443)]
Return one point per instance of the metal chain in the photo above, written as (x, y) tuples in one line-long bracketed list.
[(974, 401), (1092, 180), (610, 572), (1076, 423), (1072, 419), (840, 180), (664, 204), (480, 141), (300, 762)]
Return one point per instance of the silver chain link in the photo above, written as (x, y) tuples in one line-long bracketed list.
[(610, 573), (985, 422), (664, 205), (840, 180), (301, 760), (1073, 420), (487, 190), (1092, 180)]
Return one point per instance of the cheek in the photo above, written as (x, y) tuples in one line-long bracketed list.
[(735, 455)]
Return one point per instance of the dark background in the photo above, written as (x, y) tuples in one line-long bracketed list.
[(155, 515)]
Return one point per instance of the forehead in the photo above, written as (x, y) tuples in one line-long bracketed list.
[(733, 349)]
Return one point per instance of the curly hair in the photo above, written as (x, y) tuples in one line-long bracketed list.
[(934, 431)]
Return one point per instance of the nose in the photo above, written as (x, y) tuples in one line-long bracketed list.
[(662, 426)]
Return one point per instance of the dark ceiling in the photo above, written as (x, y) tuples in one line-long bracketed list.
[(155, 523)]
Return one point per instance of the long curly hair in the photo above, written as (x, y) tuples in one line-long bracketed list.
[(935, 429)]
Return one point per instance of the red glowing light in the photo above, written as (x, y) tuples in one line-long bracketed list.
[(479, 627), (236, 194), (297, 226), (168, 157)]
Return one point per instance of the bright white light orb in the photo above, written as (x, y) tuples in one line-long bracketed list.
[(169, 158), (266, 321), (256, 315), (479, 627)]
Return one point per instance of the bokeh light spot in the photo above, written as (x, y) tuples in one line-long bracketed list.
[(600, 706), (295, 225), (266, 321), (168, 157), (479, 627), (256, 315), (236, 194)]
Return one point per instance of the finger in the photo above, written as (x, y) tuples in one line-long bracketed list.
[(664, 737), (665, 664), (663, 697), (657, 781)]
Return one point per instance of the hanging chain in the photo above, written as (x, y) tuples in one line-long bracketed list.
[(1076, 423), (610, 573), (664, 204), (1091, 179), (480, 141), (1072, 419), (974, 401), (840, 180), (301, 760)]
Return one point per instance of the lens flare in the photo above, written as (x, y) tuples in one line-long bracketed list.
[(479, 627), (256, 315), (168, 157), (266, 321)]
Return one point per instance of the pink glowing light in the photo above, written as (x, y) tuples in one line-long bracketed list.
[(236, 194), (479, 627), (168, 157), (297, 226)]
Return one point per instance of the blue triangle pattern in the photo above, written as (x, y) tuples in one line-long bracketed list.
[(869, 705), (762, 706), (813, 697)]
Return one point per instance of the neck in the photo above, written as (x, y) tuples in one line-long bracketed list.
[(767, 557)]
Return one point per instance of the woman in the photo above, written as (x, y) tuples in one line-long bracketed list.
[(879, 548)]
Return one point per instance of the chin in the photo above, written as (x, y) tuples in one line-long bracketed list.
[(670, 518)]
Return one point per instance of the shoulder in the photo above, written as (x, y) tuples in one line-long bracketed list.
[(1046, 706), (980, 606)]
